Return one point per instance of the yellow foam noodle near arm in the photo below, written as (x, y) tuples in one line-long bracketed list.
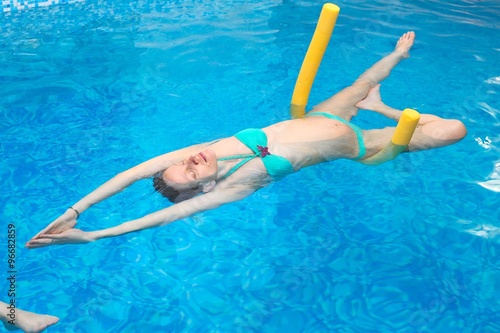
[(400, 139), (312, 60)]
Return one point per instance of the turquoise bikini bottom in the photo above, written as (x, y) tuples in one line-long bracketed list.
[(356, 129)]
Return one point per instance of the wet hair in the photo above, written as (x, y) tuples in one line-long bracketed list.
[(167, 191), (172, 194)]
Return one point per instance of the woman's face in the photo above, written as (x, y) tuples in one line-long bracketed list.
[(193, 171)]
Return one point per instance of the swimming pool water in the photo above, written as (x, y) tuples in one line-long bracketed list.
[(90, 88)]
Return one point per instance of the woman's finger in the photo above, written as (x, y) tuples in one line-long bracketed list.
[(37, 243), (43, 231), (50, 236), (38, 234)]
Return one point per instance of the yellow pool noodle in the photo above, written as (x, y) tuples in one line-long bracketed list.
[(406, 126), (312, 60), (400, 139)]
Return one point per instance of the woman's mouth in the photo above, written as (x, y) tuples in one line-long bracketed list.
[(203, 156)]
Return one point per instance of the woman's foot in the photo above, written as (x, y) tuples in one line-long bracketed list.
[(405, 43), (372, 101), (30, 322)]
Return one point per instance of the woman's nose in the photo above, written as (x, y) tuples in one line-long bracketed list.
[(194, 160)]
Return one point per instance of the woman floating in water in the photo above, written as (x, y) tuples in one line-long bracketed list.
[(208, 175), (205, 176)]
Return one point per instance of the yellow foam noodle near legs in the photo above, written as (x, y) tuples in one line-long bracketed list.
[(400, 139), (312, 60), (406, 126)]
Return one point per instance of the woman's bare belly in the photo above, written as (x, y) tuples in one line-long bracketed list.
[(308, 141)]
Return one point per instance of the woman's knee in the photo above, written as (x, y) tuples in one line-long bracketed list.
[(446, 129), (455, 130), (364, 83)]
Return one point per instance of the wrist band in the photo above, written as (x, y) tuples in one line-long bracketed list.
[(76, 211)]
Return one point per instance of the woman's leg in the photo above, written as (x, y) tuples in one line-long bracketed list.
[(24, 320), (343, 103), (431, 132)]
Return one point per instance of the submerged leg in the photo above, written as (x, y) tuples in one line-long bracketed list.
[(343, 103), (25, 321), (431, 132)]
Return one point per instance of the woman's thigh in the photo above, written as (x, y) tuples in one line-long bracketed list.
[(343, 103), (421, 140)]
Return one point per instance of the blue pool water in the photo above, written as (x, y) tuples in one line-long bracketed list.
[(90, 88)]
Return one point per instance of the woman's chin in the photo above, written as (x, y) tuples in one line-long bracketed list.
[(210, 156)]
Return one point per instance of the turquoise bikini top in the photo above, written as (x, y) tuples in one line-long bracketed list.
[(256, 140)]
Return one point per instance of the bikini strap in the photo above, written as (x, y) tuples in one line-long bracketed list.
[(235, 157), (245, 158)]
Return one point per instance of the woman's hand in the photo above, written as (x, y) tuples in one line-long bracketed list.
[(62, 223), (70, 236)]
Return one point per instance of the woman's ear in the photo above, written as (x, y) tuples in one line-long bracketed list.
[(208, 186)]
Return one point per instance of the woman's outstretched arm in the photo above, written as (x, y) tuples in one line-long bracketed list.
[(114, 185), (207, 201), (130, 176)]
